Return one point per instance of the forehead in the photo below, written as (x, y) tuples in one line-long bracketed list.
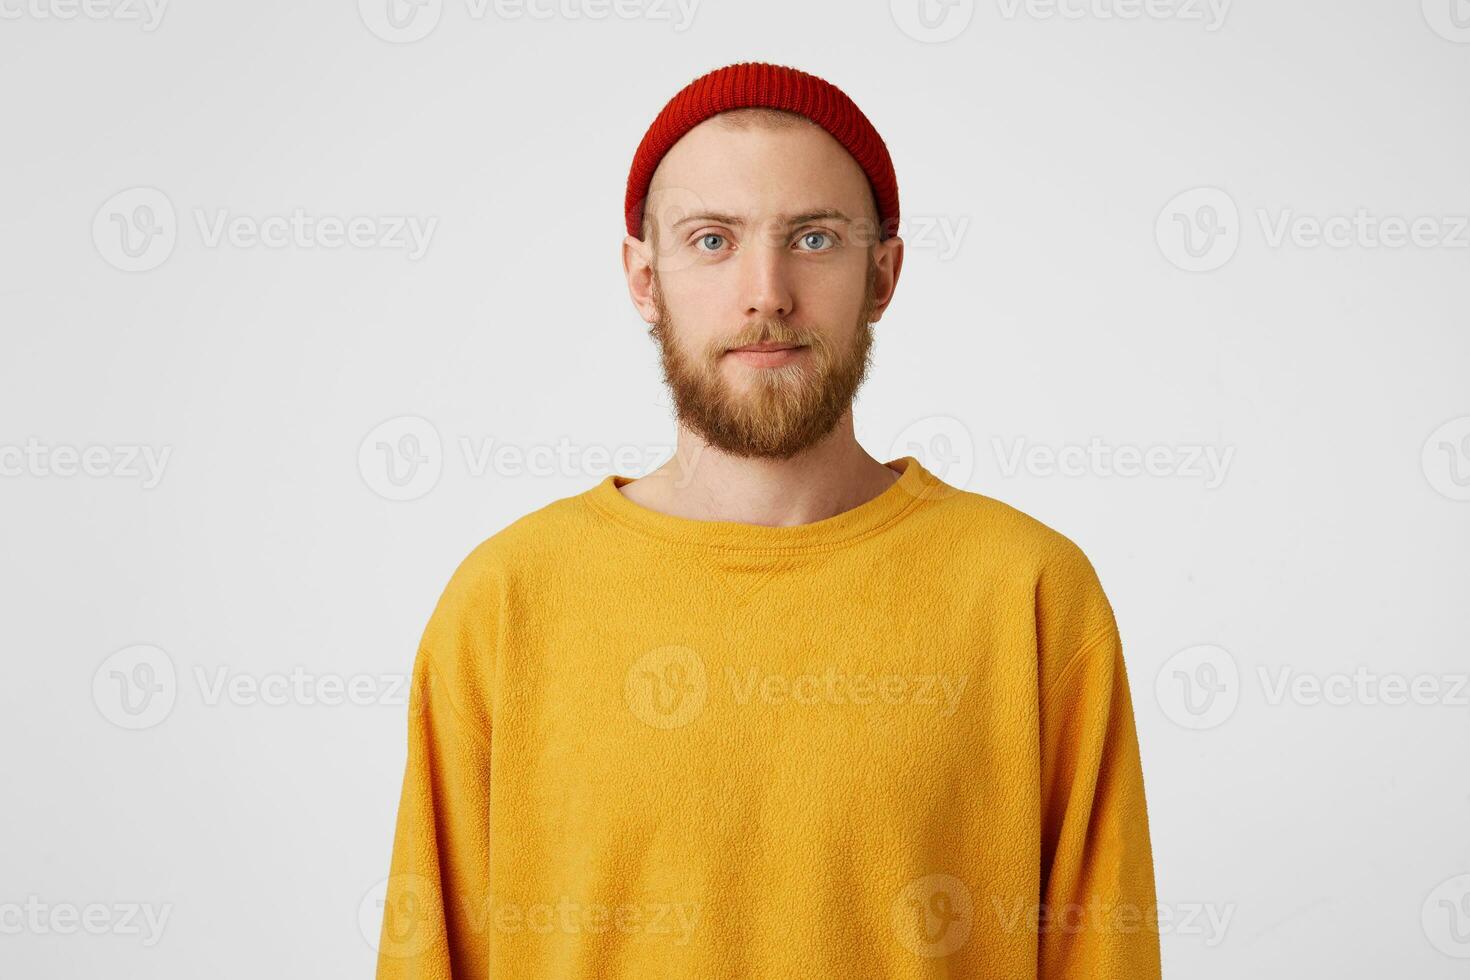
[(738, 165)]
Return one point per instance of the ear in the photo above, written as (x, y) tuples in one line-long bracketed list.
[(888, 257), (638, 269)]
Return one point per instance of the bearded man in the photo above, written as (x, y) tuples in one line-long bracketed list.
[(777, 708)]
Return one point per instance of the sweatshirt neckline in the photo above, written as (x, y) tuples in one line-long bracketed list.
[(913, 486)]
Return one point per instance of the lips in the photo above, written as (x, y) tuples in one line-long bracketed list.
[(767, 347)]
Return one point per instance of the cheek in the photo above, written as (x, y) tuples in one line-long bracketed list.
[(697, 305), (688, 326), (835, 306), (838, 286)]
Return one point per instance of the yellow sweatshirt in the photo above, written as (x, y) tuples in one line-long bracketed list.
[(895, 743)]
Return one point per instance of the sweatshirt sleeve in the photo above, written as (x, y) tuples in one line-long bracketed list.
[(1099, 913), (435, 914)]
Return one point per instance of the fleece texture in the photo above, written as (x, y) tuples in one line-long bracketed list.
[(896, 743)]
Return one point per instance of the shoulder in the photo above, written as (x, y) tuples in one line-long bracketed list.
[(1039, 575), (531, 551), (537, 541), (985, 528)]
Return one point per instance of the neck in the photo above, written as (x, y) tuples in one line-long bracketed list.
[(704, 483)]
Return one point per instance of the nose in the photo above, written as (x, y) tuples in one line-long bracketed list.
[(766, 280)]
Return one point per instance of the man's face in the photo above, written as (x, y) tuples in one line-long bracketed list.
[(741, 260)]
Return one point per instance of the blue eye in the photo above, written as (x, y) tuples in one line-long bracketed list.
[(706, 238), (816, 234)]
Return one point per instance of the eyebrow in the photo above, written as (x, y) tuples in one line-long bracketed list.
[(787, 220)]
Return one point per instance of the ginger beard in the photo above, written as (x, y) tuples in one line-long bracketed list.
[(781, 410)]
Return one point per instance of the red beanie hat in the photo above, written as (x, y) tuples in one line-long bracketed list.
[(757, 84)]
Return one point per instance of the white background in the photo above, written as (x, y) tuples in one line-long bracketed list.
[(1050, 145)]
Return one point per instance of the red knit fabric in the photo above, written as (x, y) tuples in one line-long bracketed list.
[(756, 83)]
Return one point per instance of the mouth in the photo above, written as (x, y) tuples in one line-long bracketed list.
[(770, 354), (767, 347)]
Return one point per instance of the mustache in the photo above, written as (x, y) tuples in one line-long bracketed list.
[(772, 331)]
